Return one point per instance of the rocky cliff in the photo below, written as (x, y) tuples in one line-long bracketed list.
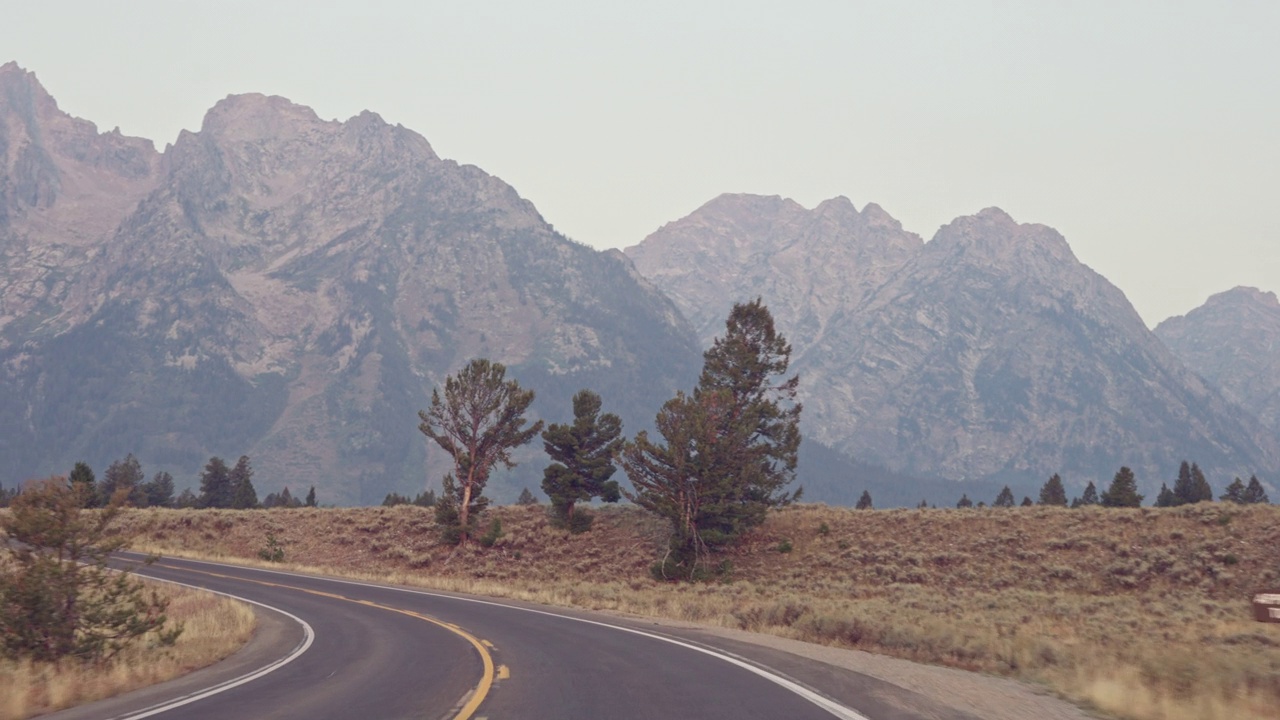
[(988, 353), (1233, 340), (290, 288)]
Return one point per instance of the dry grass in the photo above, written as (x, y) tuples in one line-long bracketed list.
[(214, 627), (1141, 614)]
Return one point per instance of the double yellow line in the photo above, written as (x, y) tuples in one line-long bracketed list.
[(475, 697)]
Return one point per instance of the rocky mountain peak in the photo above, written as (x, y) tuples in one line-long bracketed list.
[(253, 117), (1233, 340)]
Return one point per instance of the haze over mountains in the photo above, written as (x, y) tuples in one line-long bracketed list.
[(293, 288), (989, 352), (288, 288)]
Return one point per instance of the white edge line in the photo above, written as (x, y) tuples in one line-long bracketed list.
[(831, 706), (309, 637)]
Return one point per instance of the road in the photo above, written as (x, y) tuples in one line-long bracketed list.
[(330, 648)]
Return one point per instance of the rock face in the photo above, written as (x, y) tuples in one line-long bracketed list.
[(989, 353), (1233, 340), (292, 289)]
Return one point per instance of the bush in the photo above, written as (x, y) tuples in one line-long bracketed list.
[(57, 597)]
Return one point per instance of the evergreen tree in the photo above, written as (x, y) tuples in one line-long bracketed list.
[(215, 485), (311, 497), (1026, 501), (478, 423), (923, 504), (1200, 490), (58, 597), (1090, 495), (1191, 486), (864, 502), (287, 500), (243, 494), (124, 477), (964, 502), (1166, 498), (1123, 491), (731, 447), (186, 499), (393, 499), (1053, 492), (1004, 499), (526, 498), (425, 499), (159, 490), (582, 455), (82, 476), (1254, 494), (1076, 502), (1234, 492)]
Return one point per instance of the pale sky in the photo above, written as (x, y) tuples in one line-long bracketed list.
[(1148, 133)]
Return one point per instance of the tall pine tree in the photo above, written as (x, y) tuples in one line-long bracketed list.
[(1123, 491), (1053, 492), (243, 494), (215, 485)]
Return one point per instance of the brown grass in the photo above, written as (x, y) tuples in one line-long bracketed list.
[(1141, 614), (214, 627)]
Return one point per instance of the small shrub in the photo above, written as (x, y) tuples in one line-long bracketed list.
[(273, 551), (824, 529), (784, 546), (494, 532)]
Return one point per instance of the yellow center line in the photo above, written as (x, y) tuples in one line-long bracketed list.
[(486, 679)]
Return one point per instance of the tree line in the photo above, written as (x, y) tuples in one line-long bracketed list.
[(1190, 487), (220, 487)]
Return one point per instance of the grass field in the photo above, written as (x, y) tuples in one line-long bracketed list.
[(1141, 613), (214, 627)]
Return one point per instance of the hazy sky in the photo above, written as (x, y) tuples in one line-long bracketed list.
[(1147, 133)]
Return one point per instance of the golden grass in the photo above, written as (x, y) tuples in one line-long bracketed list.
[(214, 627), (1141, 614)]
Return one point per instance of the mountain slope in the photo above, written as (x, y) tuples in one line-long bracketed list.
[(1233, 340), (989, 353), (293, 288)]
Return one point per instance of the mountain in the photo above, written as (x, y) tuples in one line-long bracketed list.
[(988, 354), (1233, 340), (292, 289)]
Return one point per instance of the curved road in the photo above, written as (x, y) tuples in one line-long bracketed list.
[(330, 648)]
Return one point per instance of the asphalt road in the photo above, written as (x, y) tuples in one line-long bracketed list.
[(331, 648)]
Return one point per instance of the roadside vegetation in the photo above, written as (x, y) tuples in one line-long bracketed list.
[(72, 629), (1140, 613)]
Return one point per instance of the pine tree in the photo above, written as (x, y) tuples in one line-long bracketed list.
[(82, 476), (526, 498), (124, 477), (1254, 494), (1123, 491), (215, 485), (582, 457), (964, 502), (1004, 499), (923, 504), (186, 499), (864, 502), (425, 499), (287, 500), (1200, 490), (478, 423), (311, 497), (1026, 501), (243, 494), (1166, 498), (1189, 486), (731, 447), (159, 490), (1234, 492), (1053, 492), (1090, 495), (58, 597)]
